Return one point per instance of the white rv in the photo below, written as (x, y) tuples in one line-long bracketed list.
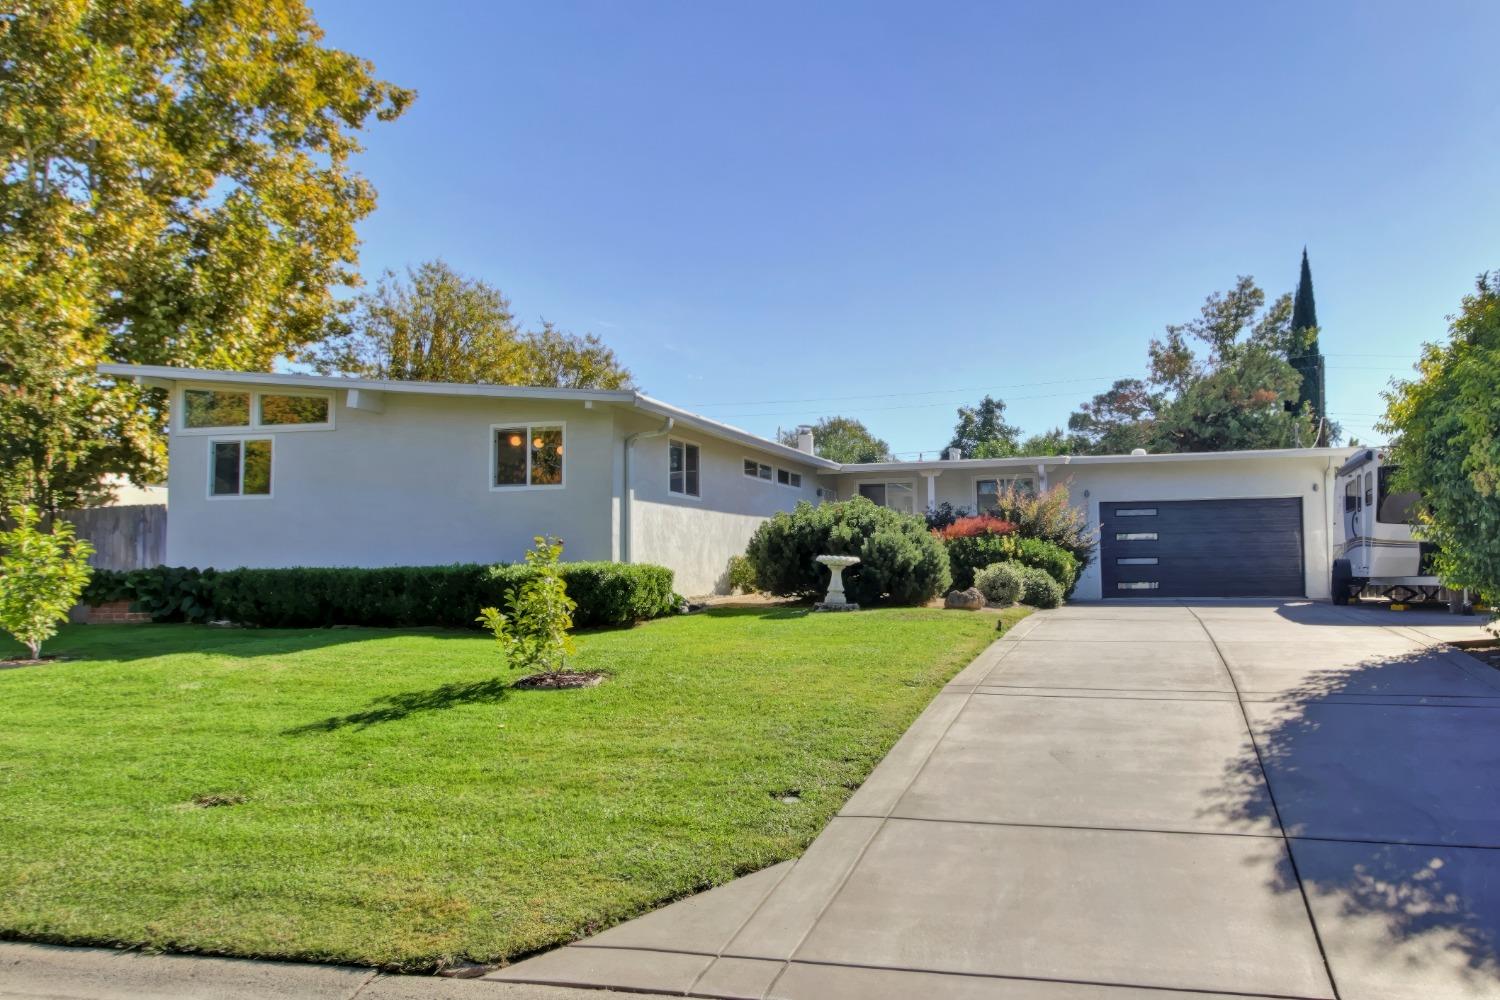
[(1377, 551)]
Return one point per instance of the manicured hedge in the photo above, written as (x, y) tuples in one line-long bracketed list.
[(396, 596)]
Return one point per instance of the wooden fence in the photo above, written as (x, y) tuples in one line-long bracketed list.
[(124, 537)]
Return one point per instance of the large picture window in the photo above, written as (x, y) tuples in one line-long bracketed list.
[(240, 468), (897, 496), (683, 475), (524, 455), (987, 491)]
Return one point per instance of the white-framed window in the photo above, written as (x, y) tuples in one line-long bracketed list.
[(527, 456), (895, 495), (239, 467), (987, 491), (216, 409), (758, 470), (281, 409), (786, 477), (683, 470)]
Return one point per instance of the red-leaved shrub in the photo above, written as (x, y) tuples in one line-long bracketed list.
[(979, 524)]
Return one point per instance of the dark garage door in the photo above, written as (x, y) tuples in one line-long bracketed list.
[(1202, 548)]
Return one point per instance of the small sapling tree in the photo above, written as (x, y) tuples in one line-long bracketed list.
[(42, 573), (533, 632)]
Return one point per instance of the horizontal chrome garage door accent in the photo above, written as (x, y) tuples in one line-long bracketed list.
[(1202, 548)]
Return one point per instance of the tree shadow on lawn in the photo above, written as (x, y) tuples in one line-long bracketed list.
[(395, 707), (1387, 777), (126, 643)]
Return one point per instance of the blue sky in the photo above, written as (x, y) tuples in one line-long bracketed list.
[(779, 211)]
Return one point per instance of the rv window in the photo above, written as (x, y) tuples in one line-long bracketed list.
[(1395, 508)]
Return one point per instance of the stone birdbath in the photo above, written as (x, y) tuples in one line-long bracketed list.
[(834, 599)]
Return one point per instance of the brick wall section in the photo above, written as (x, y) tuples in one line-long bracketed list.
[(116, 613)]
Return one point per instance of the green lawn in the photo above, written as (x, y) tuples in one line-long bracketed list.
[(389, 801)]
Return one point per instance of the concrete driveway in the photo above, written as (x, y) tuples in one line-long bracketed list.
[(1144, 801)]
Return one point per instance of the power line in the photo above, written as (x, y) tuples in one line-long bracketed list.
[(894, 395), (938, 392), (883, 409)]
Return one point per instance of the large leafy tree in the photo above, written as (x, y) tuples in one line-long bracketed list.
[(1116, 421), (177, 190), (843, 439), (1446, 424), (1221, 381), (981, 431), (437, 325)]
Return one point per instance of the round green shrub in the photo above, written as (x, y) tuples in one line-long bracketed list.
[(1058, 562), (900, 562), (1000, 583), (968, 555), (1038, 589), (740, 575)]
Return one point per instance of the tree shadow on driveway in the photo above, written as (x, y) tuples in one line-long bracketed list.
[(1391, 797), (394, 707)]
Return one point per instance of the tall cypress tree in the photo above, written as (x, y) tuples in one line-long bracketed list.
[(1304, 355), (1304, 309)]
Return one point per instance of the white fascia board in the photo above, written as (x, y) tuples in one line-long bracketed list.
[(728, 433), (156, 374), (1058, 461)]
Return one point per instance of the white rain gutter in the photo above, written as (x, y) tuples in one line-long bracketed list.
[(628, 491)]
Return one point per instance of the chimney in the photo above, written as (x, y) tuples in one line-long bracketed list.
[(805, 439), (954, 454)]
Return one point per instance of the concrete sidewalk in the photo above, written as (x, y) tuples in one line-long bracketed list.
[(44, 972), (1136, 801)]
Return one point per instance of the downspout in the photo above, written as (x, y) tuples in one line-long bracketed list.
[(1334, 529), (627, 491)]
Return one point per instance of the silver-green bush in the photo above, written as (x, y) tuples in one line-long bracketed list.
[(1000, 583), (1038, 589)]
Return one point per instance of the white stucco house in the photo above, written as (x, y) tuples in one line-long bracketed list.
[(274, 470)]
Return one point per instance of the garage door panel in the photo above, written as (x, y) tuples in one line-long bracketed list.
[(1216, 513), (1202, 548)]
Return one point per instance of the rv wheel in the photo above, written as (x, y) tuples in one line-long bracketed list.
[(1343, 580)]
